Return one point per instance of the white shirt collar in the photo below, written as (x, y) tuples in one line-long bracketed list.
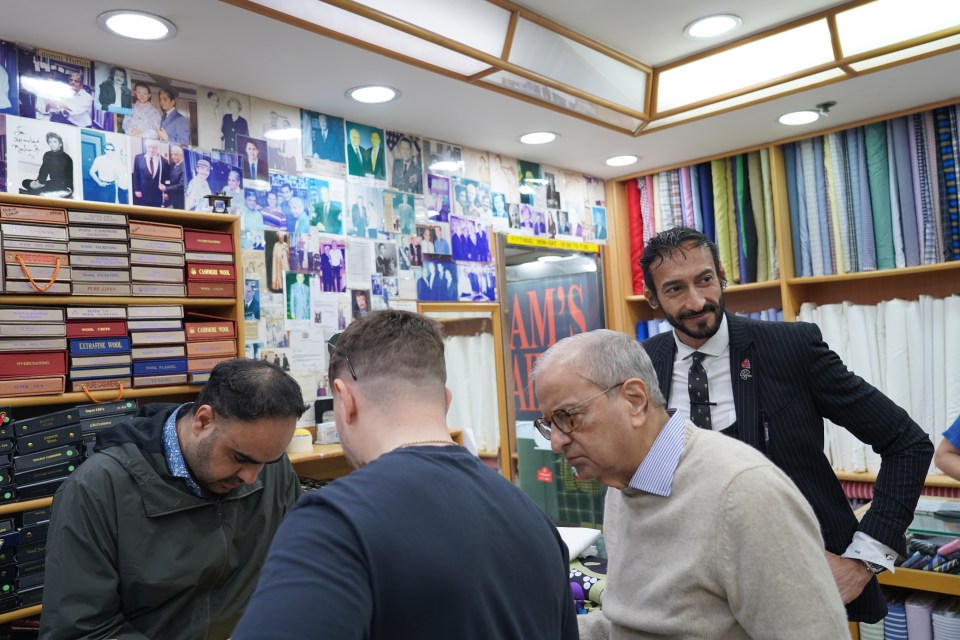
[(715, 346)]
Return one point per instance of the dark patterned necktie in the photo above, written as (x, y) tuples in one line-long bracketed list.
[(699, 396)]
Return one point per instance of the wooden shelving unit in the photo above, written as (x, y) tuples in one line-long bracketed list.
[(227, 307), (625, 308)]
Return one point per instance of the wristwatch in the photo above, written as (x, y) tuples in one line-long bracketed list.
[(873, 567)]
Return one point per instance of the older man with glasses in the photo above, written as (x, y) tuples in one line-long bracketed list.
[(422, 540), (706, 538)]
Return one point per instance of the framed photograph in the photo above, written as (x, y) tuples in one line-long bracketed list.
[(504, 177), (222, 116), (277, 258), (332, 264), (163, 108), (386, 259), (438, 280), (58, 88), (113, 91), (297, 303), (476, 165), (251, 299), (208, 173), (405, 161), (364, 217), (9, 79), (43, 158), (279, 125), (290, 192), (470, 240), (365, 151), (360, 303), (254, 165), (322, 137), (437, 198), (477, 282), (105, 166), (442, 158)]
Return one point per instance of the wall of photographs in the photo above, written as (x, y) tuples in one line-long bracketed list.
[(338, 217)]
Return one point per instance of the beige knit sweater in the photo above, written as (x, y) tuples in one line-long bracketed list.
[(734, 552)]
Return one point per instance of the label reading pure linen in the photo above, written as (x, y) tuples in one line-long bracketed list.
[(97, 289)]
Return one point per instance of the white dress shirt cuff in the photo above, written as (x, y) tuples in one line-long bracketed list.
[(863, 547)]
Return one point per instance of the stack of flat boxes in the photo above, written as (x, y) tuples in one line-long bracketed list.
[(156, 259), (47, 449), (211, 272), (210, 340), (99, 347), (33, 351), (159, 353), (35, 242), (99, 253)]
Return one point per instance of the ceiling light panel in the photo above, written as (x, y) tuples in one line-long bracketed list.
[(578, 66), (746, 99), (905, 55), (563, 100), (740, 67), (886, 22), (376, 34), (476, 23)]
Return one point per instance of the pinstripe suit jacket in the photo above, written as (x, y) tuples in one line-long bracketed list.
[(786, 380)]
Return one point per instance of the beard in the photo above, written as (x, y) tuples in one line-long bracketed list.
[(199, 467), (706, 327)]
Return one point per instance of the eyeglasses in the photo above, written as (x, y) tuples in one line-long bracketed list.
[(332, 346), (563, 420)]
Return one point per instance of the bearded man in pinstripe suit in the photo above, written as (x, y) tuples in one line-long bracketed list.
[(771, 385)]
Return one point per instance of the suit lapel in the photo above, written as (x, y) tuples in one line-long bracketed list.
[(663, 354), (743, 375)]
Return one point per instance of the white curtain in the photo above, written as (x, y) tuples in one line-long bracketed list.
[(472, 379)]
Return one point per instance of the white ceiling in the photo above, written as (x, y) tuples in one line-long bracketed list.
[(224, 46)]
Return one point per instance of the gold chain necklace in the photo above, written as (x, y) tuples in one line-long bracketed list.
[(416, 442)]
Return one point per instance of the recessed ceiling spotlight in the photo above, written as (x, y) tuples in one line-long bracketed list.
[(621, 161), (138, 25), (797, 118), (373, 94), (711, 26), (538, 137)]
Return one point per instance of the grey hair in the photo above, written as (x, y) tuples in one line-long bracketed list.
[(605, 358)]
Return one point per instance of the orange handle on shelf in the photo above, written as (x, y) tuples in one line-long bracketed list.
[(95, 401), (26, 272)]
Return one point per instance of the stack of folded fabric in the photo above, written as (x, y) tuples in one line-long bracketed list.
[(946, 620), (919, 608), (895, 624)]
